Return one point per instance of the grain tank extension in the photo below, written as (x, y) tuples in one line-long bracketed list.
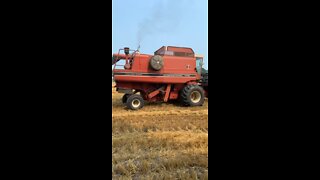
[(172, 73)]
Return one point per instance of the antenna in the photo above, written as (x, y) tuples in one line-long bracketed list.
[(138, 47)]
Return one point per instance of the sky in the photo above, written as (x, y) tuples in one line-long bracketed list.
[(157, 23)]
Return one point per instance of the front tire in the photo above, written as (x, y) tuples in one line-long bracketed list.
[(192, 95), (135, 102)]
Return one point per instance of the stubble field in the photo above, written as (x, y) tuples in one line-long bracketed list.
[(160, 141)]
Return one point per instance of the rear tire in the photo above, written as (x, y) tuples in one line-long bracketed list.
[(192, 95), (125, 98), (135, 102)]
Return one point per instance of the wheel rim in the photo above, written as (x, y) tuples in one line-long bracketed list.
[(136, 103), (195, 97)]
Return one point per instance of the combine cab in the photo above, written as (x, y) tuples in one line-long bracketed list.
[(172, 73)]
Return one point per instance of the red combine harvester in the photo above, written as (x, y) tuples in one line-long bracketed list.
[(171, 73)]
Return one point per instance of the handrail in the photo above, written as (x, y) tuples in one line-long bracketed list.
[(118, 56)]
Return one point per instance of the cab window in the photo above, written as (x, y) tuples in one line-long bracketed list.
[(199, 63)]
